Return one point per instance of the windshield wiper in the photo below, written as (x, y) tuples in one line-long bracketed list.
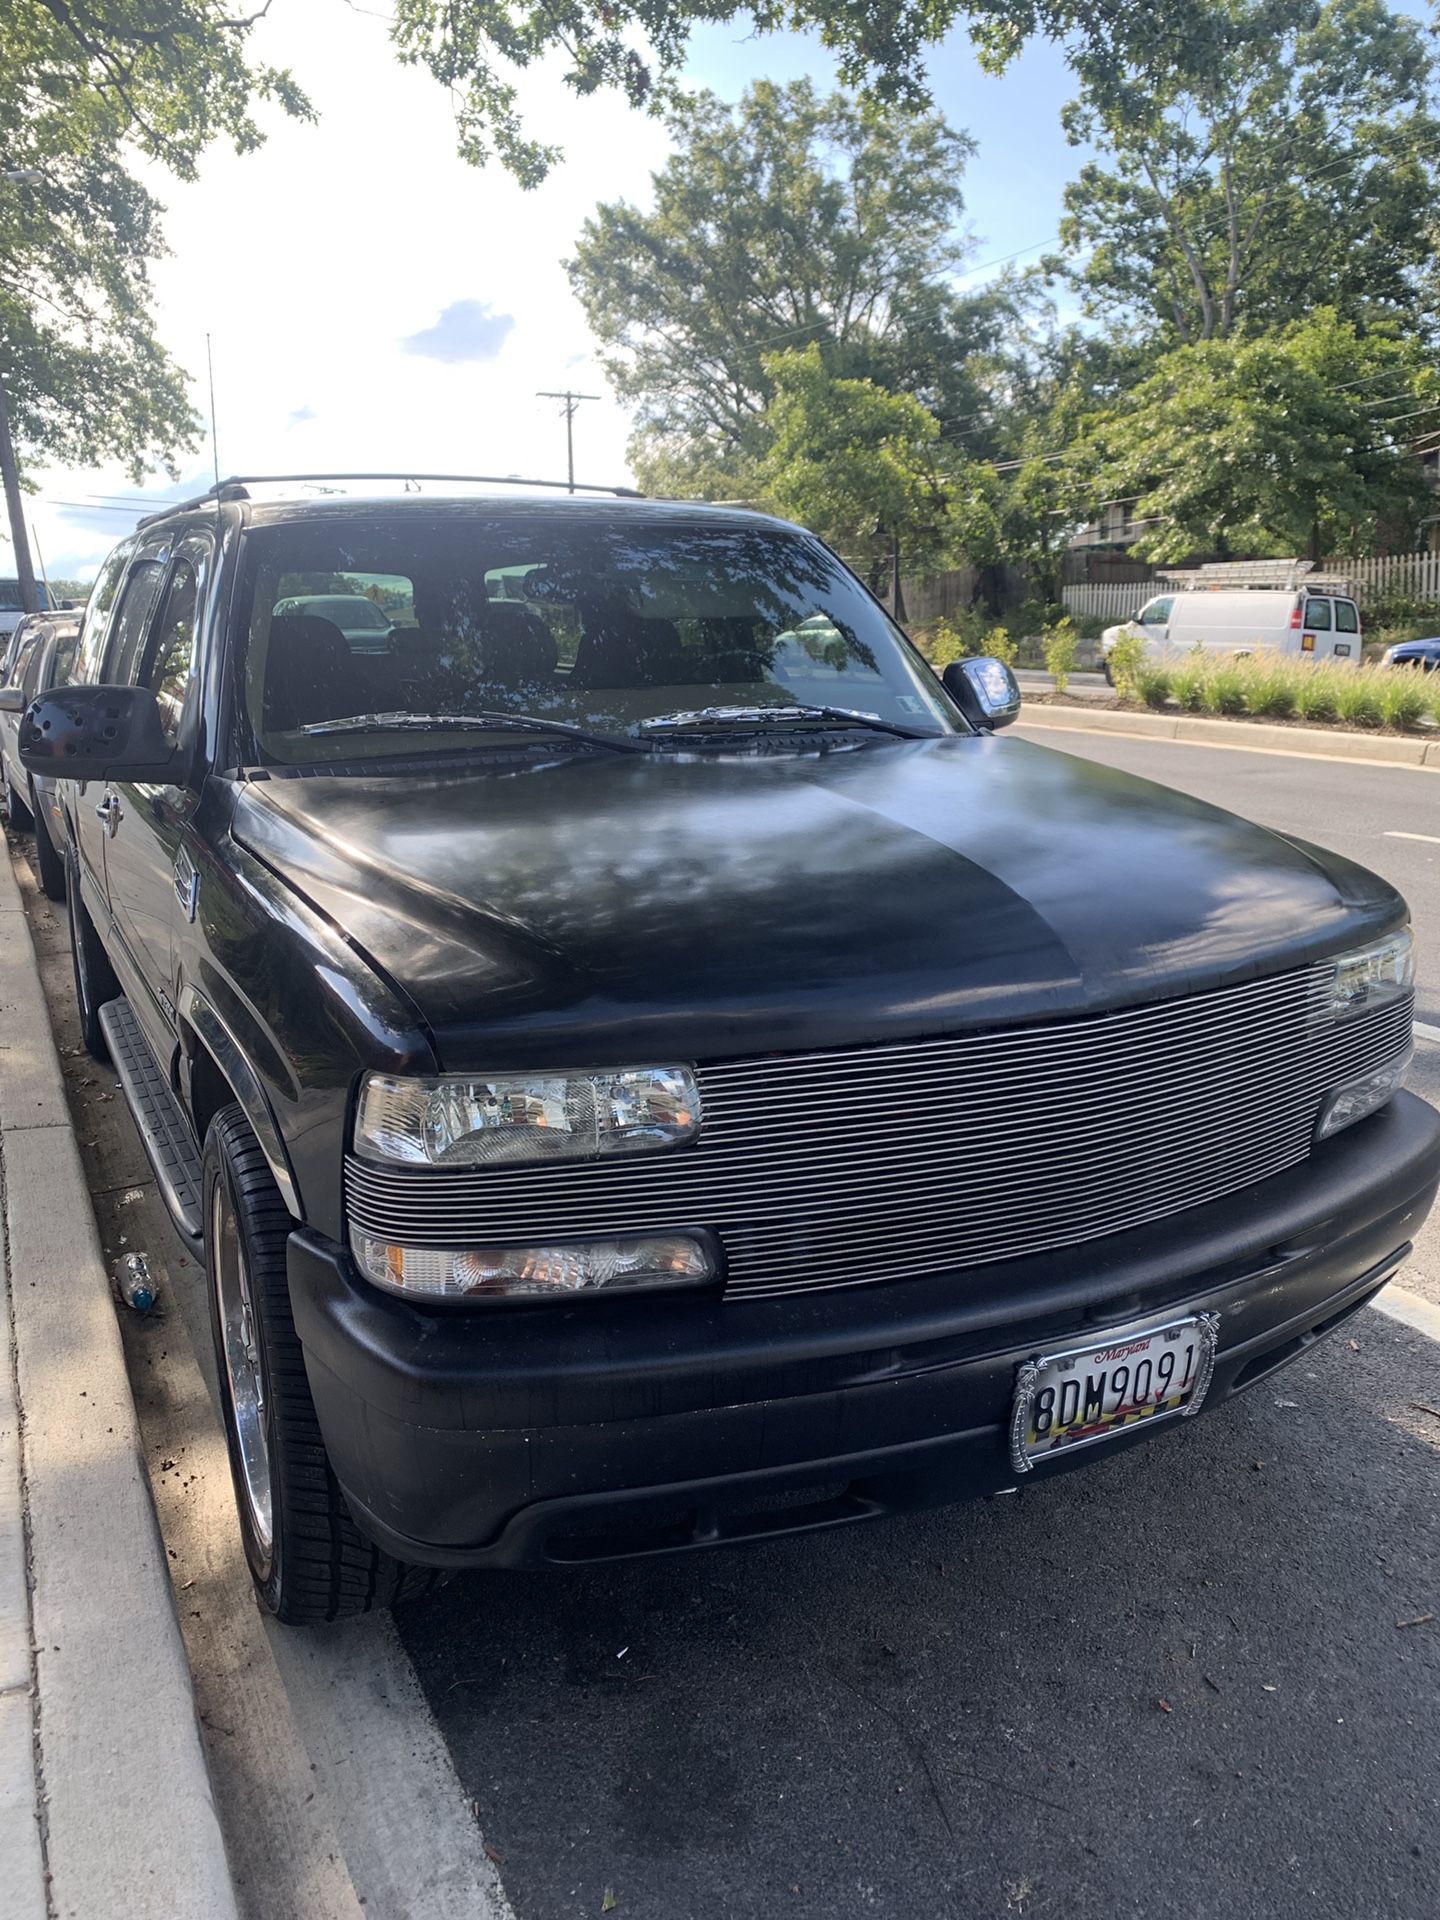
[(748, 716), (470, 722)]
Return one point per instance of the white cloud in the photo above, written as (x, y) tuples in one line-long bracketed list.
[(466, 330)]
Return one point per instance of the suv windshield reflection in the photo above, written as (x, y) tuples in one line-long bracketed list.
[(603, 628)]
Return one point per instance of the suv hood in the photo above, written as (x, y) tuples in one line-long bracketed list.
[(599, 910)]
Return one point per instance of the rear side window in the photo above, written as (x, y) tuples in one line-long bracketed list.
[(1347, 620), (172, 654), (1317, 616), (25, 656), (97, 615), (137, 603)]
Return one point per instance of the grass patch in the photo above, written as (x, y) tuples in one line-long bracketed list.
[(1272, 687)]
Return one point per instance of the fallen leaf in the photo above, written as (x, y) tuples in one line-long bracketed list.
[(1165, 1707), (609, 1903), (492, 1852)]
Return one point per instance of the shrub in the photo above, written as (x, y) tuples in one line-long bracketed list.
[(1403, 701), (1224, 685), (1315, 693), (1187, 681), (1152, 684), (998, 644), (1061, 641), (1359, 700), (1270, 688), (1127, 657)]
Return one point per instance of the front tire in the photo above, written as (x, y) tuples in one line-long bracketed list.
[(95, 981), (309, 1561), (48, 863)]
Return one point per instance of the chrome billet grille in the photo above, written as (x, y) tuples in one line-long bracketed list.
[(877, 1163)]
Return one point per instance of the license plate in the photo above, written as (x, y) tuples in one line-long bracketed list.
[(1083, 1395)]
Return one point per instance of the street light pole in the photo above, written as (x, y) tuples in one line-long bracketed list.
[(9, 470)]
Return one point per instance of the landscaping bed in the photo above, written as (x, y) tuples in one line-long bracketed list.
[(1282, 690)]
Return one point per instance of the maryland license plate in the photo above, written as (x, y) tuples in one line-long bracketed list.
[(1083, 1395)]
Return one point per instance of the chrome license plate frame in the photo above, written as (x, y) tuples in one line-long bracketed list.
[(1044, 1430)]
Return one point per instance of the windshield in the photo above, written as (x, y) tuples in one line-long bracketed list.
[(602, 626)]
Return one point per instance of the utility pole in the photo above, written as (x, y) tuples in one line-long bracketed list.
[(568, 403), (9, 471)]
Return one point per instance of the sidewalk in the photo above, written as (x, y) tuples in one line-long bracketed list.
[(105, 1802)]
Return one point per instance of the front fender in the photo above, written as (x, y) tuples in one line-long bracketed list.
[(293, 1016)]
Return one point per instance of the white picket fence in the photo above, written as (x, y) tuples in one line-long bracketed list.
[(1416, 575), (1114, 600)]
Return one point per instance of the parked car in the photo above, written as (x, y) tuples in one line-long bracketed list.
[(646, 1064), (12, 607), (44, 658), (1424, 654), (1318, 626)]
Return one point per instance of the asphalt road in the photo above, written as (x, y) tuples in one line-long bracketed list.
[(1179, 1684)]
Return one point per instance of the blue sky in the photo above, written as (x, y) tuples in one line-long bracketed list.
[(376, 304)]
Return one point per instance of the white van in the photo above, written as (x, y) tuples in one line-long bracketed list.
[(1315, 625)]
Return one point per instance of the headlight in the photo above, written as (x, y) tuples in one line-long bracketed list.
[(537, 1272), (1371, 976), (462, 1120), (1355, 1099)]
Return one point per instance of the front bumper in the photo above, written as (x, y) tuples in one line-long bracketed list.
[(545, 1435)]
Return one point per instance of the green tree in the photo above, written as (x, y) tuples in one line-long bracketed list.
[(1280, 156), (854, 463), (789, 220), (1268, 445)]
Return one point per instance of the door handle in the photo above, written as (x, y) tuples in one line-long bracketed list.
[(111, 812)]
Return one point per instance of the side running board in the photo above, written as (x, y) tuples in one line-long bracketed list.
[(163, 1128)]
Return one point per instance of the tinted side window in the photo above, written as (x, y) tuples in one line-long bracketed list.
[(97, 615), (127, 636), (1156, 612), (1317, 616), (1347, 620), (62, 668), (172, 652), (22, 660)]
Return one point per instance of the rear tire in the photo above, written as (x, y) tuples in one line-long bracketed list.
[(48, 864), (95, 981), (309, 1561)]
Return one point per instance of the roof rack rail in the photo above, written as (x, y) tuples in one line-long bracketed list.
[(236, 485)]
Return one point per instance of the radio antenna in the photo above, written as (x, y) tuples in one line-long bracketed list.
[(214, 436)]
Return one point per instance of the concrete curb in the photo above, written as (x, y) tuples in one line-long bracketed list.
[(105, 1800), (1309, 743)]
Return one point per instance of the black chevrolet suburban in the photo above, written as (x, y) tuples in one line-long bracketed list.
[(648, 1065)]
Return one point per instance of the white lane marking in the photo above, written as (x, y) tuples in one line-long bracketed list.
[(1424, 1032), (1411, 1309), (1394, 833)]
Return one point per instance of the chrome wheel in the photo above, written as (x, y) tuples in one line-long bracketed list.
[(244, 1366)]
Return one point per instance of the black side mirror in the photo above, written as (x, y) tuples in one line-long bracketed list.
[(985, 690), (87, 733)]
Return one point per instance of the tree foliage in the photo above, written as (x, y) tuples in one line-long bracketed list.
[(1282, 156), (81, 85), (789, 220), (854, 463), (1291, 441)]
